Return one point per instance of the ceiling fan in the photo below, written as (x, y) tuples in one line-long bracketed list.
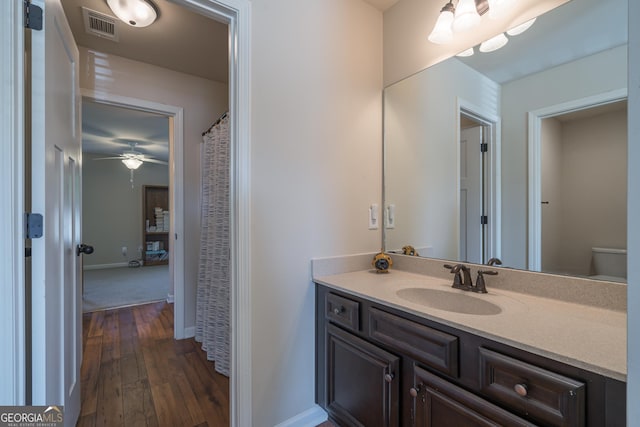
[(132, 159)]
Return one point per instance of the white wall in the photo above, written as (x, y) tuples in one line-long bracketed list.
[(112, 210), (203, 102), (421, 177), (633, 232), (408, 23), (316, 167), (596, 74)]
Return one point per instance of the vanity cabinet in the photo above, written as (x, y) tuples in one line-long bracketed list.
[(380, 366), (362, 389), (440, 403)]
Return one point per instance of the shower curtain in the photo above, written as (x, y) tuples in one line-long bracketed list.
[(214, 280)]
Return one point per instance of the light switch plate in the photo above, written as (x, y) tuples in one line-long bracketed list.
[(373, 216), (390, 217)]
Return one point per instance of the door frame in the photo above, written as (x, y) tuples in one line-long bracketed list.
[(12, 193), (534, 199), (493, 186), (237, 14), (176, 179)]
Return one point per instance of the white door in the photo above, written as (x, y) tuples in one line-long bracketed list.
[(471, 195), (56, 194)]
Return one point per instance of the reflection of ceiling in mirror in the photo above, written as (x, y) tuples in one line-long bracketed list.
[(574, 30)]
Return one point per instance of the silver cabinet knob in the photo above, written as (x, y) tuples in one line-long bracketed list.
[(521, 389), (388, 378), (337, 310), (413, 392)]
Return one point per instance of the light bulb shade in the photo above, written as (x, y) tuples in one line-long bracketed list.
[(466, 16), (497, 8), (442, 32), (494, 43), (465, 53), (519, 29), (132, 163), (137, 13)]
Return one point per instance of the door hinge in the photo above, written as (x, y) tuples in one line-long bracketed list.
[(484, 147), (32, 16), (32, 225), (484, 220)]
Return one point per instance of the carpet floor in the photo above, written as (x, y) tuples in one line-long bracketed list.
[(119, 287)]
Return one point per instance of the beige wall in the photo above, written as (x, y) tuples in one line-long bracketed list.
[(316, 167), (112, 210), (203, 101)]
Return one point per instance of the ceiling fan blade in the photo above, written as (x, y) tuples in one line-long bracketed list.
[(160, 162), (110, 158)]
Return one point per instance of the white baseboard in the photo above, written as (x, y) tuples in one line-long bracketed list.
[(170, 298), (309, 418), (103, 266), (190, 332)]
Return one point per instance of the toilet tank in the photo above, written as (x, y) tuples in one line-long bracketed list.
[(609, 262)]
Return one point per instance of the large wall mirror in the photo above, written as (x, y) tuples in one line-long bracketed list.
[(520, 153)]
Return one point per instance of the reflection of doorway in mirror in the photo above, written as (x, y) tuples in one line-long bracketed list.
[(583, 181), (473, 171)]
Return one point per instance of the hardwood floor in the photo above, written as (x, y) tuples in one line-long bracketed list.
[(135, 374)]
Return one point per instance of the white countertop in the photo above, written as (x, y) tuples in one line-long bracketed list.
[(584, 336)]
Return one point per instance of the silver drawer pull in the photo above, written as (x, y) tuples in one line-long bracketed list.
[(338, 310), (521, 389), (388, 377)]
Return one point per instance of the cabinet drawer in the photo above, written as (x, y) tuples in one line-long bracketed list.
[(343, 311), (544, 396), (429, 346), (438, 402)]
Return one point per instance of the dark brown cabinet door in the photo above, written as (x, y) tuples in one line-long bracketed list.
[(362, 382), (438, 403)]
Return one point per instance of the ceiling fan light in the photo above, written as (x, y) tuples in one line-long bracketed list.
[(494, 43), (519, 29), (132, 163), (466, 16), (442, 33), (137, 13)]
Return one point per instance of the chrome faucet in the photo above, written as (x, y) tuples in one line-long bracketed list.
[(460, 280)]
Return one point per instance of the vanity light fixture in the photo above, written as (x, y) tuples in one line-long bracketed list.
[(465, 16), (465, 53), (494, 43), (137, 13), (442, 32), (497, 8), (519, 29)]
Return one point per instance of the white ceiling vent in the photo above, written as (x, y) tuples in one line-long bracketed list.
[(99, 24)]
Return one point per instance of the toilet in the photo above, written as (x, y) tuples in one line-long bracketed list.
[(609, 264)]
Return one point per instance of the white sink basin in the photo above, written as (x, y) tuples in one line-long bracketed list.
[(450, 301)]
